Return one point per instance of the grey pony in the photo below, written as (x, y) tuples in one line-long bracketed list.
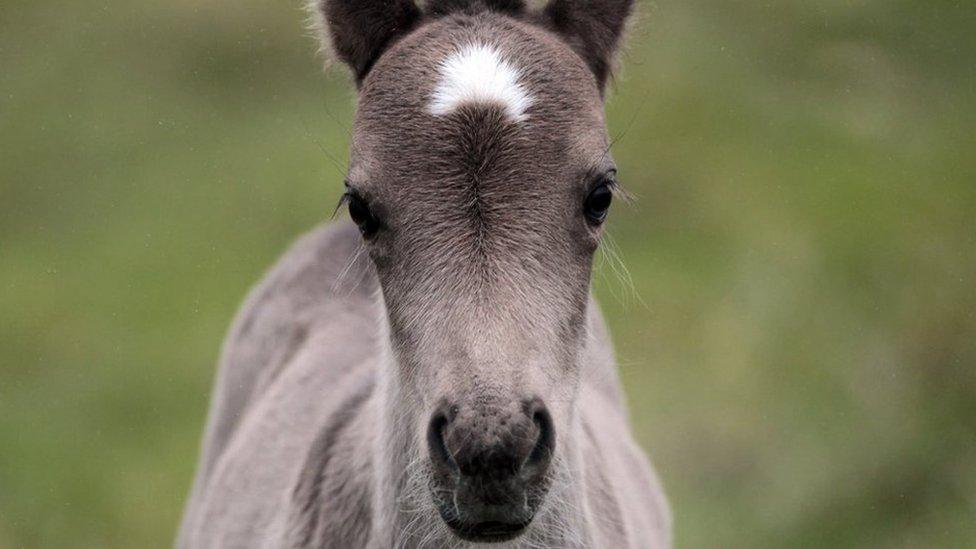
[(436, 373)]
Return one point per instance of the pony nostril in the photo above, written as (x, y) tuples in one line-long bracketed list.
[(442, 459), (541, 454), (507, 444)]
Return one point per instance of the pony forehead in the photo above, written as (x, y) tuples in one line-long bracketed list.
[(478, 73)]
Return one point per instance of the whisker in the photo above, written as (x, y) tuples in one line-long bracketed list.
[(340, 167)]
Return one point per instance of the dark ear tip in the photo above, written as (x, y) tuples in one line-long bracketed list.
[(593, 29), (359, 31)]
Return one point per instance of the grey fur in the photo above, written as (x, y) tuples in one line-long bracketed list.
[(476, 288)]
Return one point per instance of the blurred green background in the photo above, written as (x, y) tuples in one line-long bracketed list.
[(797, 336)]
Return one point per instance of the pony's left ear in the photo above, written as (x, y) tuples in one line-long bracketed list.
[(359, 31), (593, 28)]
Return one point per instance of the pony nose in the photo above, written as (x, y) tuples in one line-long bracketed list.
[(488, 442)]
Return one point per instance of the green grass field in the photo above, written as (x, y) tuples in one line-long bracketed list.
[(797, 332)]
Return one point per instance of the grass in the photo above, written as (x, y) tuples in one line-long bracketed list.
[(798, 343)]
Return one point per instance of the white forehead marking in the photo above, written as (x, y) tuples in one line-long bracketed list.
[(476, 73)]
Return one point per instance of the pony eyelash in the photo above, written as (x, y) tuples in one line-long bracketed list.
[(343, 200)]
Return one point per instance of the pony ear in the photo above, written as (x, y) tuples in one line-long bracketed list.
[(593, 28), (359, 31)]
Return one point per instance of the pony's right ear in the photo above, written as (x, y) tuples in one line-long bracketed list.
[(359, 31), (593, 28)]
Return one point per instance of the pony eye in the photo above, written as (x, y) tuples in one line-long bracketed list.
[(598, 204), (362, 216)]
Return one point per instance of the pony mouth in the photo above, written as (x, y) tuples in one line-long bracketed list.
[(491, 531)]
